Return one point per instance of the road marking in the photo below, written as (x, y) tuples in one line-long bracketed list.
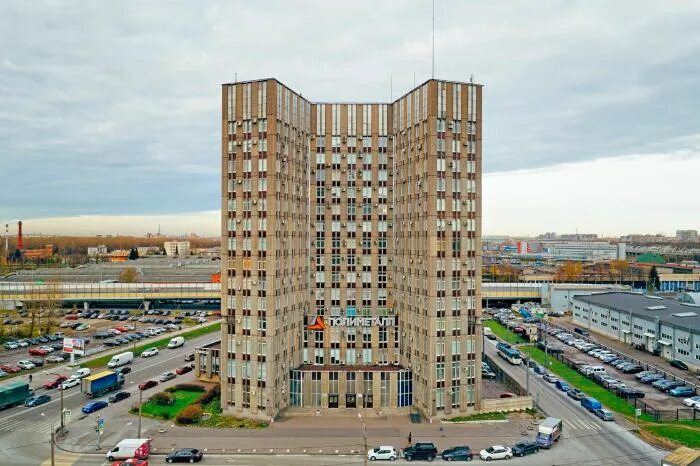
[(63, 459), (25, 426)]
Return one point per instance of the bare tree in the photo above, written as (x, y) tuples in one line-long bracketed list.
[(129, 275)]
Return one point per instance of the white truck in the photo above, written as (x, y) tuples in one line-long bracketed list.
[(130, 448), (121, 359), (549, 432), (176, 342)]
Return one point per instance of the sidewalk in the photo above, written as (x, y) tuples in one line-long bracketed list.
[(342, 435)]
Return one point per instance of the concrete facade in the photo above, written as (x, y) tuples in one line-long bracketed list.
[(663, 326), (334, 211)]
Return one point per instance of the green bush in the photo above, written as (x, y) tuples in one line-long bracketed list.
[(190, 415), (212, 393), (163, 398), (185, 387)]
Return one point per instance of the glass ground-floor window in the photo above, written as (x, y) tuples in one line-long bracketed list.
[(295, 388), (333, 400), (405, 388), (350, 400)]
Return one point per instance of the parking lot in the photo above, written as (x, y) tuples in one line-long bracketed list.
[(627, 379), (100, 328)]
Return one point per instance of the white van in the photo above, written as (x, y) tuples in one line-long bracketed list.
[(130, 448), (176, 342), (121, 359), (80, 373), (594, 370)]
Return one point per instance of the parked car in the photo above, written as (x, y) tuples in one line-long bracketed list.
[(561, 385), (38, 362), (628, 393), (382, 453), (68, 383), (10, 345), (496, 452), (576, 394), (692, 401), (149, 352), (10, 368), (26, 365), (39, 351), (591, 404), (632, 369), (642, 374), (55, 382), (185, 455), (147, 384), (183, 370), (649, 379), (551, 378), (540, 370), (94, 406), (37, 400), (420, 451), (165, 376), (525, 448), (604, 414), (488, 375), (54, 358), (119, 396), (681, 391), (462, 453), (678, 364)]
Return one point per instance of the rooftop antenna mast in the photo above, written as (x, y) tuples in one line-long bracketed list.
[(432, 75)]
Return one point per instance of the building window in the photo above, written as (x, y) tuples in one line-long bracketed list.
[(384, 390), (316, 389)]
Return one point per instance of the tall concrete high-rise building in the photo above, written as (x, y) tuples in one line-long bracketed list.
[(351, 251)]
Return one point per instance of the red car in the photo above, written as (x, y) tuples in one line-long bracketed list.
[(131, 462), (183, 370), (72, 317), (38, 352), (55, 382), (147, 384), (122, 329), (10, 368)]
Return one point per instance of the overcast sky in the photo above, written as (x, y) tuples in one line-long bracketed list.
[(110, 110)]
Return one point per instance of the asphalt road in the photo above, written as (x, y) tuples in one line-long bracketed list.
[(585, 440), (24, 432)]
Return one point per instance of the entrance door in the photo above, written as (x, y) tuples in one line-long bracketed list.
[(350, 400), (333, 401)]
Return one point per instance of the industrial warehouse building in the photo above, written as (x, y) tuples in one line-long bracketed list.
[(668, 327), (351, 252)]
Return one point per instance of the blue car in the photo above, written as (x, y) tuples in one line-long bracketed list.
[(37, 400), (540, 370), (563, 386), (682, 391), (94, 406)]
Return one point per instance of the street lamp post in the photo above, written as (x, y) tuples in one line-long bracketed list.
[(52, 441), (364, 437), (63, 413), (140, 398)]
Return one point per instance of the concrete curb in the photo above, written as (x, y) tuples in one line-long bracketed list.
[(492, 421)]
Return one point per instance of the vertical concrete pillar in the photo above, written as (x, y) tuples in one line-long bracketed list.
[(86, 305), (146, 305)]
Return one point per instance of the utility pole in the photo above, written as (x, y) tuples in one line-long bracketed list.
[(63, 415), (140, 398), (364, 436), (53, 443)]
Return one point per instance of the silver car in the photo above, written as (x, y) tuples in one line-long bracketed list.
[(165, 376)]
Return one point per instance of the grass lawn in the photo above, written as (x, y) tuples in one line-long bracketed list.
[(103, 360), (182, 398), (503, 333), (219, 420), (680, 434), (497, 416)]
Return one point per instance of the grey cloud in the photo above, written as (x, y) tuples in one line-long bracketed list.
[(114, 107)]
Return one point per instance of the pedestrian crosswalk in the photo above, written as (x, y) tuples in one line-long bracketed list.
[(581, 425), (17, 424), (64, 459)]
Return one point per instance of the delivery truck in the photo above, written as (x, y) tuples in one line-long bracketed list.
[(130, 448), (104, 382), (14, 394), (548, 432), (120, 359)]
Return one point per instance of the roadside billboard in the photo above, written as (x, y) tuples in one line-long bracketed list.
[(74, 346)]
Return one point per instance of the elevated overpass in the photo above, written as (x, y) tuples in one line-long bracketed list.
[(70, 293)]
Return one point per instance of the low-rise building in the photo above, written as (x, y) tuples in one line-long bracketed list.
[(177, 248), (674, 282), (666, 327), (94, 251)]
